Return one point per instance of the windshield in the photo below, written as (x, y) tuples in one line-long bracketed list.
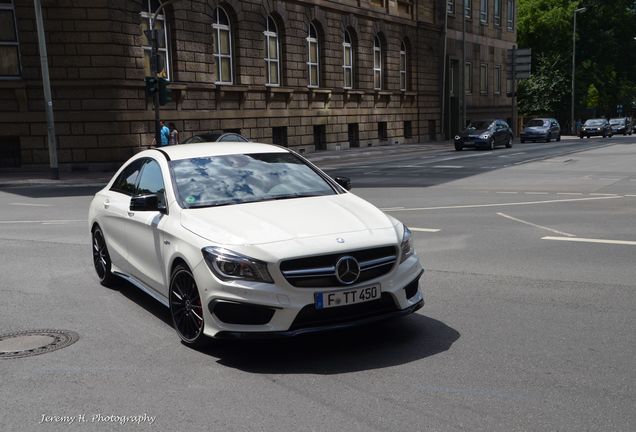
[(617, 121), (538, 123), (479, 125), (241, 178), (595, 122)]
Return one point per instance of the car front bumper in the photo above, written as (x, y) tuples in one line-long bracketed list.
[(282, 310), (472, 142)]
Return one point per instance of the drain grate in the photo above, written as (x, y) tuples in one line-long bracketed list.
[(29, 343)]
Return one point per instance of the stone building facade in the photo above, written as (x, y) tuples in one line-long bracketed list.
[(310, 75), (480, 40)]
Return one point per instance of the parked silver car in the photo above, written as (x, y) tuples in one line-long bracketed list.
[(541, 129)]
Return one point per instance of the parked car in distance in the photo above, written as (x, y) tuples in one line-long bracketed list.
[(242, 240), (622, 125), (486, 134), (216, 136), (541, 129), (596, 127)]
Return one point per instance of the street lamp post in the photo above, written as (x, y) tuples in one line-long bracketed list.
[(579, 10)]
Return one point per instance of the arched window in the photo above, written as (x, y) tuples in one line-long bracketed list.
[(403, 63), (163, 64), (347, 60), (272, 53), (313, 57), (377, 63), (222, 47)]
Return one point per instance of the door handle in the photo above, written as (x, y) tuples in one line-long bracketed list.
[(131, 214), (106, 204)]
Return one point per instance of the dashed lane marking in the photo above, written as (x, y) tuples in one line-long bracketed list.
[(8, 222), (535, 225), (590, 240), (431, 230), (31, 205), (448, 166), (510, 204)]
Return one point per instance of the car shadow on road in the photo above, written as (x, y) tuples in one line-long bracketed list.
[(379, 345)]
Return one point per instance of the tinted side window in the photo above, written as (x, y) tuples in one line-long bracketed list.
[(151, 181), (125, 182)]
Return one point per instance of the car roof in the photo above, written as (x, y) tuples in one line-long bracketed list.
[(194, 150)]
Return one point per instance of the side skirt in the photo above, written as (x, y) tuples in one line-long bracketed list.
[(145, 288)]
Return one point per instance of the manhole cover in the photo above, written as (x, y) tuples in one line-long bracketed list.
[(33, 342)]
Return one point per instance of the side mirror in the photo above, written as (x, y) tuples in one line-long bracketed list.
[(146, 203), (345, 182)]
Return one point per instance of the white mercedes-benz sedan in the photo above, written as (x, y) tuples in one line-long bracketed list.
[(250, 240)]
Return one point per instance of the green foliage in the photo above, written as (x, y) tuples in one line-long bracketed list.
[(544, 92), (605, 53)]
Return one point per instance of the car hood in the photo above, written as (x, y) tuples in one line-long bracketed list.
[(535, 129), (473, 132), (284, 220)]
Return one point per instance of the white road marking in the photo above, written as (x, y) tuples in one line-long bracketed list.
[(391, 208), (31, 205), (589, 240), (535, 225), (603, 194), (611, 179), (432, 230), (630, 196), (569, 193), (42, 221), (504, 192), (488, 167), (536, 193), (506, 204), (448, 166)]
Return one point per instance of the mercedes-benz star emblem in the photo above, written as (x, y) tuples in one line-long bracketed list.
[(347, 270), (340, 240)]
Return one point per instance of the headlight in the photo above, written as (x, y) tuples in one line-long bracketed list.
[(484, 136), (457, 137), (406, 248), (228, 265)]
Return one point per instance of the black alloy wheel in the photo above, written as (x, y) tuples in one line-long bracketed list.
[(186, 308), (101, 259), (458, 147), (491, 143), (548, 137)]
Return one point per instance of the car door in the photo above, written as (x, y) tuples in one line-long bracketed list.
[(145, 237), (115, 220), (500, 133)]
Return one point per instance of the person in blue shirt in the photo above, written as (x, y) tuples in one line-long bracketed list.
[(165, 134)]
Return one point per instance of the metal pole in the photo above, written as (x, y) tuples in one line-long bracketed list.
[(443, 113), (46, 84), (463, 70), (514, 91), (572, 127), (154, 66)]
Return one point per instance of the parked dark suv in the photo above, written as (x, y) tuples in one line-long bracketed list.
[(541, 129), (484, 134), (621, 125), (596, 127)]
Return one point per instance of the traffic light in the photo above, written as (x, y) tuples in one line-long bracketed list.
[(165, 94), (151, 86)]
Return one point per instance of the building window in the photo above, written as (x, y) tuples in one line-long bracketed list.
[(279, 135), (511, 15), (383, 134), (222, 47), (509, 87), (483, 78), (313, 53), (468, 78), (272, 53), (163, 66), (450, 7), (451, 79), (483, 11), (377, 63), (403, 63), (408, 129), (497, 79), (347, 60), (468, 9), (497, 13)]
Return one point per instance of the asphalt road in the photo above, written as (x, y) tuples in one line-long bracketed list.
[(529, 323)]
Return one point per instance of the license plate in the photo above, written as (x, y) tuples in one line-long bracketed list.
[(331, 299)]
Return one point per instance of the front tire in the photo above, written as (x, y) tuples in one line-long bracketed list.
[(186, 308), (558, 137), (101, 258), (458, 147), (491, 144), (509, 142)]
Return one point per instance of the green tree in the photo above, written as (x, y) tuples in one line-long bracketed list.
[(545, 91)]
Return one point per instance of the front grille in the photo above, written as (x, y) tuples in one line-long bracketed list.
[(320, 271), (309, 316)]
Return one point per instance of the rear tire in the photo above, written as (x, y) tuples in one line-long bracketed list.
[(558, 137), (509, 142), (458, 147), (101, 258), (491, 144)]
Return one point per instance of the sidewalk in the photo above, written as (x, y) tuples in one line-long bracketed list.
[(15, 177)]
